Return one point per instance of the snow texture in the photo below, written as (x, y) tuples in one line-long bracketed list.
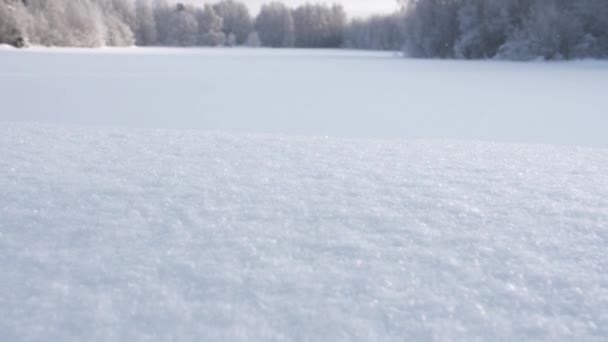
[(335, 93), (149, 234), (300, 206)]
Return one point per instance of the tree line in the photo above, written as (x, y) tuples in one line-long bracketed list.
[(465, 29), (91, 23), (507, 29)]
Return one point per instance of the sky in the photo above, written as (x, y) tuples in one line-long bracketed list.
[(353, 7)]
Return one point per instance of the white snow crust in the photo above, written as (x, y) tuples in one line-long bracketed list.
[(150, 234)]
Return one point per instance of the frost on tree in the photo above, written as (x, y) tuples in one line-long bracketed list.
[(275, 25), (183, 27), (12, 20), (319, 25), (210, 27), (467, 29), (512, 29), (146, 33), (85, 23), (236, 19), (253, 40), (379, 32)]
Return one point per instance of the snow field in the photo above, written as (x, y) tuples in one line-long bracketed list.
[(339, 93), (151, 234)]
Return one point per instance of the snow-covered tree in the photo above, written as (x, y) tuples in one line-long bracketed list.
[(514, 29), (236, 19), (275, 26), (483, 28), (145, 32), (593, 16), (231, 40), (183, 27), (548, 32), (253, 40), (432, 28), (13, 22), (119, 21), (49, 28), (319, 25), (162, 17), (210, 27), (379, 32), (85, 24)]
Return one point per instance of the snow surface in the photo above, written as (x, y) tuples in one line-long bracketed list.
[(323, 92), (149, 234), (254, 194)]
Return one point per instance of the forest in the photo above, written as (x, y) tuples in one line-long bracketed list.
[(461, 29), (506, 29)]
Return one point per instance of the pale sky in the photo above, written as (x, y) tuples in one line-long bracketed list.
[(353, 7)]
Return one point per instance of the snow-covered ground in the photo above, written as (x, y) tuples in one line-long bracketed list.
[(113, 232), (122, 234), (335, 93)]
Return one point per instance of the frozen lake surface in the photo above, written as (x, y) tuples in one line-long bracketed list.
[(333, 93), (300, 206)]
